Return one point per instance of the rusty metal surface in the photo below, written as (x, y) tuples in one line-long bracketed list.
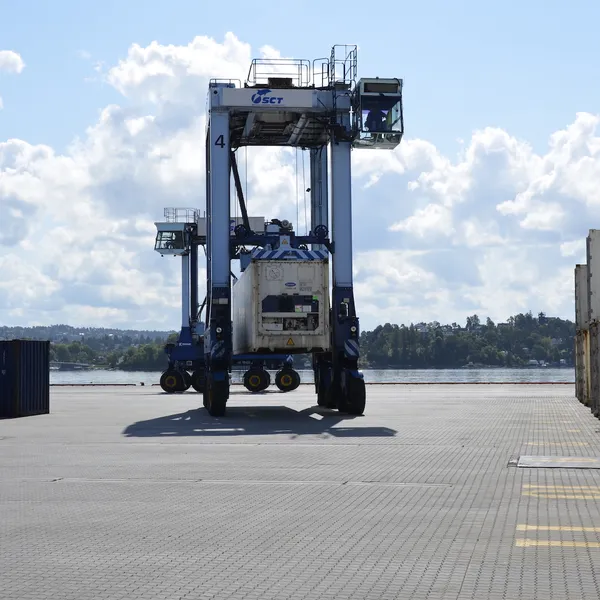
[(594, 367), (580, 371)]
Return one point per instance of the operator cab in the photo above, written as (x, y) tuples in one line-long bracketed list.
[(378, 113), (171, 239)]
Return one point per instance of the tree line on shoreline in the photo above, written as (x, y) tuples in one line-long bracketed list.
[(523, 340)]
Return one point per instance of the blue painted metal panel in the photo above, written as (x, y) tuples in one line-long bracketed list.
[(341, 213), (290, 253), (218, 215), (24, 378)]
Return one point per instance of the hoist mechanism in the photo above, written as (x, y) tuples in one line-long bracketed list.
[(284, 303)]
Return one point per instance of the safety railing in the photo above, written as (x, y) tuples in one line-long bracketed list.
[(343, 65), (320, 72), (181, 215), (295, 69), (216, 80)]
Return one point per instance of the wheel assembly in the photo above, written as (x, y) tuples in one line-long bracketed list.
[(172, 381), (322, 373), (257, 380), (215, 397), (325, 397), (198, 380), (334, 398), (287, 380), (322, 397), (187, 378), (353, 397)]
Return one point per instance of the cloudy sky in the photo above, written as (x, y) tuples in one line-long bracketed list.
[(483, 208)]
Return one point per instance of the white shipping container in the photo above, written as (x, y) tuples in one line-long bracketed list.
[(581, 297), (281, 306), (593, 275), (582, 338), (593, 321)]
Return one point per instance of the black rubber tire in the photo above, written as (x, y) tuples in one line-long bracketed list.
[(322, 397), (356, 398), (187, 378), (287, 380), (198, 380), (217, 398), (267, 382), (333, 396), (172, 381), (256, 380)]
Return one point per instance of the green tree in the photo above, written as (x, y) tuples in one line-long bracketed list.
[(512, 343)]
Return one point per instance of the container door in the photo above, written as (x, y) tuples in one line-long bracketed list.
[(34, 377), (8, 403)]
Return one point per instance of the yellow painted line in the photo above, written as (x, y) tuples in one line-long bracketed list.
[(556, 544), (551, 486), (562, 491), (557, 528), (563, 496), (573, 430), (556, 444)]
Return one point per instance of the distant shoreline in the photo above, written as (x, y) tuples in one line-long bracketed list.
[(464, 368)]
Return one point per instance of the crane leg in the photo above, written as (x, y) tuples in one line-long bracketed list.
[(347, 386), (319, 194), (218, 332)]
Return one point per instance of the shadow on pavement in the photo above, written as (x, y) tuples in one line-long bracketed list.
[(243, 392), (255, 420)]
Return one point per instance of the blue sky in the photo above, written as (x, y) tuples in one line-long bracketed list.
[(442, 228), (524, 66)]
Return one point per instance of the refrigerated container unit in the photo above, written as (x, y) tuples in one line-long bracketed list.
[(282, 306), (24, 378)]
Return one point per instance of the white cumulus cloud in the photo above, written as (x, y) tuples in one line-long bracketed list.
[(11, 61), (495, 230)]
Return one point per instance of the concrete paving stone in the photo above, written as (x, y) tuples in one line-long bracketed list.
[(132, 493)]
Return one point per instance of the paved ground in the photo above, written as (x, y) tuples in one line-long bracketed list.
[(127, 493)]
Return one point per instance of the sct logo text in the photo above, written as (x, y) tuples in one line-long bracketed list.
[(263, 97)]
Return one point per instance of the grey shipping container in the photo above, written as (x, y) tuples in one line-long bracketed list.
[(24, 378)]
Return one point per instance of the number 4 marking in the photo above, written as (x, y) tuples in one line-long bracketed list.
[(220, 141)]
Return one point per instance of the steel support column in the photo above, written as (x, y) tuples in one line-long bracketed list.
[(185, 291), (194, 283), (348, 384), (319, 191), (319, 215), (218, 333)]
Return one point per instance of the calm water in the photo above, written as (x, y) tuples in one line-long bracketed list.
[(543, 375)]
